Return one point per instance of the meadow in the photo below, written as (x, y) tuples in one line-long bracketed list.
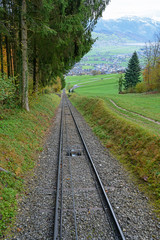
[(106, 87)]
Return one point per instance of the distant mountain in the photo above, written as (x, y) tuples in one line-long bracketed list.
[(134, 29), (115, 44)]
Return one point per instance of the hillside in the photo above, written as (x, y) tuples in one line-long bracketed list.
[(116, 41)]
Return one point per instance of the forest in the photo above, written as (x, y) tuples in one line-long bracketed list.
[(40, 41)]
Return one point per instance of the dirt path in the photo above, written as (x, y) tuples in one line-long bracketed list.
[(147, 118)]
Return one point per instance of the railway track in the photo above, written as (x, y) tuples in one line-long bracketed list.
[(83, 210)]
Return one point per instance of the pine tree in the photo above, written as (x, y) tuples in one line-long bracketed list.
[(133, 71), (44, 39), (120, 83)]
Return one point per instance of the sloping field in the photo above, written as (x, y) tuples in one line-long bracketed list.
[(106, 87), (136, 147)]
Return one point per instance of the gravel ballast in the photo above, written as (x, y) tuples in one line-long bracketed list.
[(79, 189), (35, 219)]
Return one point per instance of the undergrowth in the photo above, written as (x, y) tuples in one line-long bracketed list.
[(21, 138), (136, 147)]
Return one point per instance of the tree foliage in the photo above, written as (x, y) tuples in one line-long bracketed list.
[(133, 71), (120, 83), (152, 69), (58, 36), (7, 89)]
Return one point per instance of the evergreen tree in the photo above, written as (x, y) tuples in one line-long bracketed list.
[(120, 83), (133, 71), (44, 39)]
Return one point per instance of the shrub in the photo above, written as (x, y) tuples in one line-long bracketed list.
[(7, 89), (141, 87), (129, 90), (145, 87)]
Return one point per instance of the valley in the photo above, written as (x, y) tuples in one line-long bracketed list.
[(106, 60), (116, 42)]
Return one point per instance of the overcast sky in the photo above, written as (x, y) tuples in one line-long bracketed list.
[(141, 8)]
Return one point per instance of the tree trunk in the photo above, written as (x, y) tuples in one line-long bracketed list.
[(1, 50), (11, 60), (8, 56), (35, 70), (24, 58)]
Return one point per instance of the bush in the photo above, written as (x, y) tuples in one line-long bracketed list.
[(129, 90), (145, 87), (141, 87), (47, 90), (7, 89)]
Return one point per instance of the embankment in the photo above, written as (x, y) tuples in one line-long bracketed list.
[(134, 146), (21, 140)]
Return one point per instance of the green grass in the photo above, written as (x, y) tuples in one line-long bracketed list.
[(21, 135), (145, 104), (110, 50), (106, 87), (87, 67), (91, 89), (94, 62)]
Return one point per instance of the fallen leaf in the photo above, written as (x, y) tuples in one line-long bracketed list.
[(145, 178), (18, 171)]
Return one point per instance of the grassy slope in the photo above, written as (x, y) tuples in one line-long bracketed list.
[(133, 145), (106, 87), (21, 136)]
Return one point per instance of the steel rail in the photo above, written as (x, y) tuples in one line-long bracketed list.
[(61, 220), (73, 200), (72, 187), (115, 225), (56, 225)]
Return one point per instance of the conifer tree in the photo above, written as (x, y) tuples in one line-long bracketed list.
[(44, 39), (120, 83), (133, 71)]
